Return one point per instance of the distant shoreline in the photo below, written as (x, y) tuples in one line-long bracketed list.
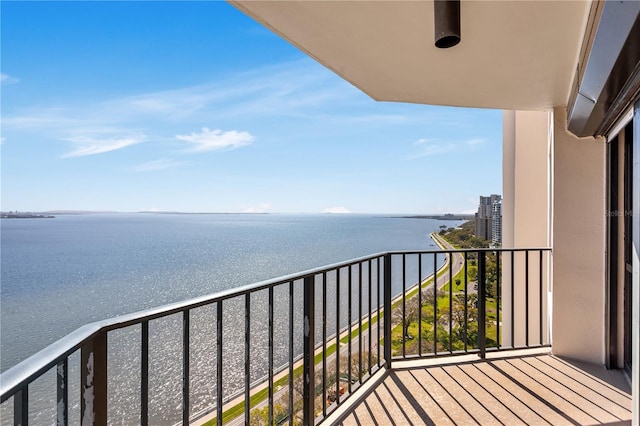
[(53, 213), (441, 217), (18, 215)]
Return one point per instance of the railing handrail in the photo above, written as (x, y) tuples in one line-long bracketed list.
[(46, 358), (27, 370)]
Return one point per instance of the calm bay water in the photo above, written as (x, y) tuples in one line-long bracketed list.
[(59, 274)]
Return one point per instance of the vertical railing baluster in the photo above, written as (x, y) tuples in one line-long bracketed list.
[(498, 293), (387, 311), (247, 358), (338, 336), (450, 302), (360, 322), (349, 320), (93, 371), (62, 381), (526, 297), (370, 316), (309, 346), (540, 295), (466, 302), (404, 305), (435, 303), (324, 344), (291, 328), (379, 303), (513, 288), (21, 407), (482, 316), (271, 355), (185, 366), (219, 392), (419, 304), (144, 373)]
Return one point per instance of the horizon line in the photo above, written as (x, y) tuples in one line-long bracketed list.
[(82, 211)]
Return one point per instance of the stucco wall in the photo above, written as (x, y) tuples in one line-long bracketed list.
[(578, 244), (508, 176), (525, 178), (525, 217)]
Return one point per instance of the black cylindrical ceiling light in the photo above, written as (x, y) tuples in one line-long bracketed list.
[(447, 22)]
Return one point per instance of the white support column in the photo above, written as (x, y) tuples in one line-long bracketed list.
[(579, 242), (526, 180)]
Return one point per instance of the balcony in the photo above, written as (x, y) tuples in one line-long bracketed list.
[(514, 389), (347, 342)]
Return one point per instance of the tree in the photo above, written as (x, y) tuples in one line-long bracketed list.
[(427, 296), (472, 272), (466, 321), (463, 236), (260, 416), (356, 370), (492, 275), (410, 316)]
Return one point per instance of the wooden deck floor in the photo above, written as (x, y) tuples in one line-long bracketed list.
[(533, 390)]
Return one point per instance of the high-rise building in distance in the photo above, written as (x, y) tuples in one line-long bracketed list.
[(488, 219), (496, 223)]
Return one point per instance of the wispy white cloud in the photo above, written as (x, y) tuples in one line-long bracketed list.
[(286, 89), (423, 141), (297, 90), (426, 147), (87, 145), (157, 165), (475, 141), (7, 79), (260, 208), (213, 140), (337, 210), (49, 119), (2, 140)]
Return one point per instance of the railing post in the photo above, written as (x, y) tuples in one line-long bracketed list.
[(247, 357), (309, 346), (185, 366), (387, 311), (62, 393), (93, 373), (482, 294), (270, 368), (21, 407), (219, 381), (144, 374)]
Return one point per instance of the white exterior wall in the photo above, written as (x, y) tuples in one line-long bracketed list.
[(579, 241), (526, 186), (525, 215)]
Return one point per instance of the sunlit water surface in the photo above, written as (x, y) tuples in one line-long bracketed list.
[(59, 274)]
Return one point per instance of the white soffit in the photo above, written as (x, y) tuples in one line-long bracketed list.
[(513, 54)]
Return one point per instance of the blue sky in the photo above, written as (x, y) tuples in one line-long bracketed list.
[(193, 106)]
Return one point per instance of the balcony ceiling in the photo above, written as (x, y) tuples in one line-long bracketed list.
[(513, 54)]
